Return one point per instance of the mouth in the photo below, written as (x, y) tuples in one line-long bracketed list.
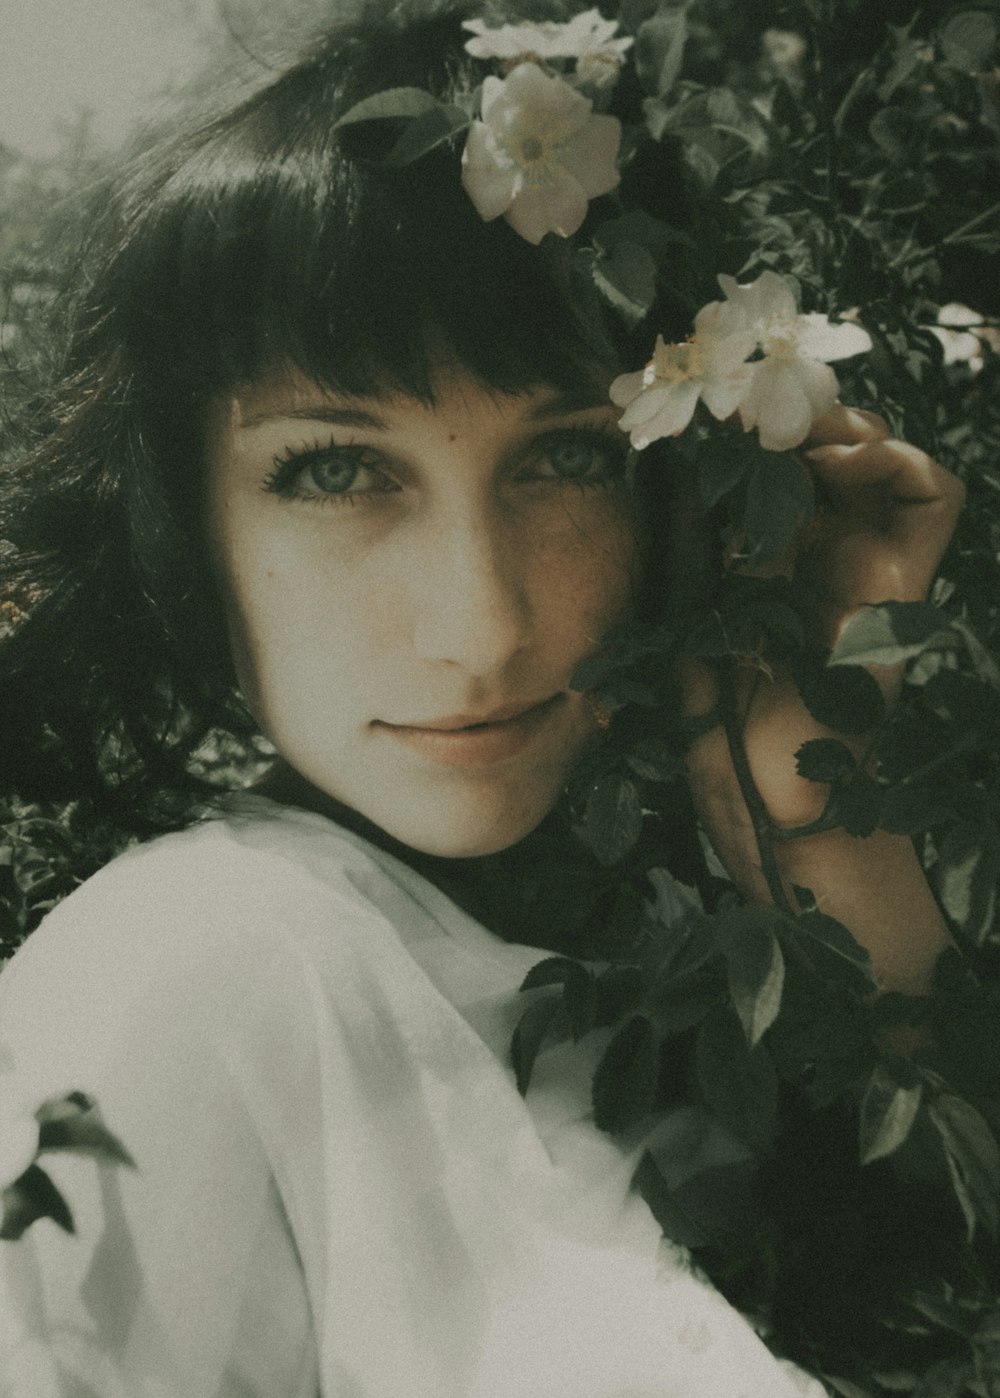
[(469, 740)]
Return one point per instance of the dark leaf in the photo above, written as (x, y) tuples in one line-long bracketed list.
[(613, 817), (29, 1198), (626, 276), (394, 102), (966, 874), (855, 968), (669, 1214), (857, 805), (624, 1087), (737, 1083), (780, 500), (888, 634), (973, 1159), (426, 131), (755, 969), (888, 1111), (579, 990), (845, 699), (824, 760), (72, 1123), (659, 49), (721, 463), (528, 1037)]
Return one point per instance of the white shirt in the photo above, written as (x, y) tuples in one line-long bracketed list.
[(339, 1191)]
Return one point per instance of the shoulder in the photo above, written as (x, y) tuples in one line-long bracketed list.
[(227, 927)]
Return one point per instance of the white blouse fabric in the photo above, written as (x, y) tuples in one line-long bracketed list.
[(339, 1190)]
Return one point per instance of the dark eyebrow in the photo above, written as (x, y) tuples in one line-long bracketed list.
[(318, 412)]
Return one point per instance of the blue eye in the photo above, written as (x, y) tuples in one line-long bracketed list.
[(581, 456), (332, 474)]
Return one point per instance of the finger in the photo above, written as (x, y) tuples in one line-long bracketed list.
[(848, 425), (868, 477)]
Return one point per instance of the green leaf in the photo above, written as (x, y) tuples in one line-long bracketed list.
[(640, 227), (430, 129), (624, 1087), (968, 41), (619, 990), (655, 760), (738, 1083), (755, 969), (966, 873), (824, 760), (857, 805), (889, 633), (29, 1198), (721, 464), (973, 1160), (528, 1037), (395, 102), (845, 699), (579, 990), (626, 276), (780, 500), (72, 1123), (888, 1110), (613, 817), (675, 1222), (836, 939), (659, 49)]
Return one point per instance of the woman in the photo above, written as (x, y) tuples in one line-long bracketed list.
[(332, 439)]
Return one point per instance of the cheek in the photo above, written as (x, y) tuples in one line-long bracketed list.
[(592, 575)]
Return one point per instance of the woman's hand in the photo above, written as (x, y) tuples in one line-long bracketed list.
[(887, 515)]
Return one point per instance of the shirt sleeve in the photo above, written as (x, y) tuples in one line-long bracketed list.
[(183, 1279)]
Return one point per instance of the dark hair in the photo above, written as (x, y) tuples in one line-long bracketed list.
[(267, 236)]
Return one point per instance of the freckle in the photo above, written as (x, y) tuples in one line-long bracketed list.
[(452, 436), (269, 573)]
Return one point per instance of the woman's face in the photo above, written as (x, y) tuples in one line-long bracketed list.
[(410, 588)]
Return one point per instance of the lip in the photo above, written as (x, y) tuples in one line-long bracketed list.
[(476, 740)]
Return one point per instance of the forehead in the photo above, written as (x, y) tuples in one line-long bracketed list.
[(287, 393)]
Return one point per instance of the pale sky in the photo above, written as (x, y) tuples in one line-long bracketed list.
[(60, 56)]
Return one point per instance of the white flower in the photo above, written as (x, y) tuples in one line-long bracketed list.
[(660, 400), (539, 154), (585, 35), (960, 346), (792, 384)]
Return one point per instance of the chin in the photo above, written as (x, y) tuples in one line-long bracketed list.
[(478, 835)]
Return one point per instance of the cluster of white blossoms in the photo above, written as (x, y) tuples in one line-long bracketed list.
[(537, 156), (752, 354), (540, 152)]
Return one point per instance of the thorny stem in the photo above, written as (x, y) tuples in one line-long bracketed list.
[(759, 817)]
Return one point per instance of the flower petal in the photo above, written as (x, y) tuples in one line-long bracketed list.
[(490, 184), (677, 410), (778, 405), (722, 396), (558, 206), (818, 338), (626, 387), (645, 407), (590, 155)]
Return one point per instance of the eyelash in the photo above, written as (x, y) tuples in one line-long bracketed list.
[(292, 463)]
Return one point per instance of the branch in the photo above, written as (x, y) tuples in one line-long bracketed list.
[(759, 817)]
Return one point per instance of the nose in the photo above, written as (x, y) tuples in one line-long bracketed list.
[(472, 600)]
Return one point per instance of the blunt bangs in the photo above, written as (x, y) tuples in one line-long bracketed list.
[(275, 239)]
